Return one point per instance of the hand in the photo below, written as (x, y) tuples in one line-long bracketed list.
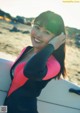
[(58, 41)]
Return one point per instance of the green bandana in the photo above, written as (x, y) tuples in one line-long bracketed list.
[(51, 21)]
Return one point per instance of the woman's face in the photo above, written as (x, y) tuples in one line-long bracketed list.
[(40, 37)]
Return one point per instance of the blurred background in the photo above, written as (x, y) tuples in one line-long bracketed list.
[(16, 18)]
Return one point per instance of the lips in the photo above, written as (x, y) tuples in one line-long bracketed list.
[(37, 40)]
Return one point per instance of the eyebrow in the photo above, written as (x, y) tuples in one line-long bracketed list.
[(37, 23), (49, 32)]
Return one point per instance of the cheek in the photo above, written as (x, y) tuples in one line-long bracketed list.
[(32, 32), (47, 39)]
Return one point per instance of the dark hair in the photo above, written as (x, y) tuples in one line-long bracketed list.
[(60, 56), (54, 23)]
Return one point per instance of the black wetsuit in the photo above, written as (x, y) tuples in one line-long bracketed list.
[(23, 100)]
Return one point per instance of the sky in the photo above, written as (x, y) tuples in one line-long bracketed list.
[(68, 9)]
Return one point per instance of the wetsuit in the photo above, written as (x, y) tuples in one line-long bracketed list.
[(37, 75)]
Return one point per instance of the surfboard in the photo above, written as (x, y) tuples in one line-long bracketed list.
[(5, 79), (54, 98)]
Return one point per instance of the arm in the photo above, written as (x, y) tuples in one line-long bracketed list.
[(36, 67)]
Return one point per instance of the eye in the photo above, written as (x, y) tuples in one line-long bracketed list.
[(36, 26), (47, 32)]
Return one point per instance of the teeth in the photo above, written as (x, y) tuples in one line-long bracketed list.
[(37, 40)]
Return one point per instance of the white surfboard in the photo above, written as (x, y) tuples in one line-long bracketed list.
[(5, 79), (54, 98)]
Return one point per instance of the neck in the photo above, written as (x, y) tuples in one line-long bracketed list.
[(36, 50)]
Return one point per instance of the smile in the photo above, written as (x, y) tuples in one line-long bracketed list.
[(36, 40)]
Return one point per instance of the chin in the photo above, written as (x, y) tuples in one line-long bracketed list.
[(37, 49)]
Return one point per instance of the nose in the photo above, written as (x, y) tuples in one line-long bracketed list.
[(39, 34)]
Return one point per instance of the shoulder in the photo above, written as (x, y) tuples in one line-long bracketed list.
[(26, 48)]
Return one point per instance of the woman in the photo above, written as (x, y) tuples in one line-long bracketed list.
[(37, 65)]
